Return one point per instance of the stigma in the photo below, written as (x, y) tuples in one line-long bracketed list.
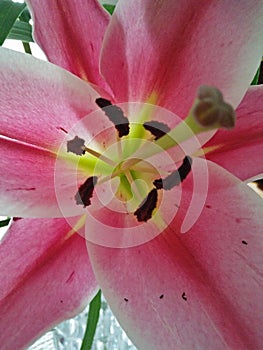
[(210, 109)]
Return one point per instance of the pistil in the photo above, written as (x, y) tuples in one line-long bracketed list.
[(209, 112)]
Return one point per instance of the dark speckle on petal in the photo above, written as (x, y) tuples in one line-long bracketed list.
[(184, 296), (71, 276), (125, 299), (244, 242), (21, 189), (62, 129)]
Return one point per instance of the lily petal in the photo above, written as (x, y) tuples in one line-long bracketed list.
[(34, 183), (240, 150), (202, 289), (46, 277), (71, 33), (170, 48), (40, 102)]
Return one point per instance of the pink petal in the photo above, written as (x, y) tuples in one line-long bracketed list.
[(36, 184), (173, 47), (202, 289), (45, 278), (40, 102), (240, 150), (71, 33), (42, 107)]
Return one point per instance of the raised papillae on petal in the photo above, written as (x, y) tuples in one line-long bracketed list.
[(210, 109)]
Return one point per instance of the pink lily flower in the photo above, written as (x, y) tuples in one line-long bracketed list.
[(198, 290)]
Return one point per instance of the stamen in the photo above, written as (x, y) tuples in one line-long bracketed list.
[(100, 156), (115, 115), (145, 210), (156, 128), (85, 191), (176, 177), (77, 146)]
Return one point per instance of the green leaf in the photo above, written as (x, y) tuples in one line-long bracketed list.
[(9, 12), (21, 31), (4, 222), (93, 317), (25, 15), (255, 79), (109, 8)]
